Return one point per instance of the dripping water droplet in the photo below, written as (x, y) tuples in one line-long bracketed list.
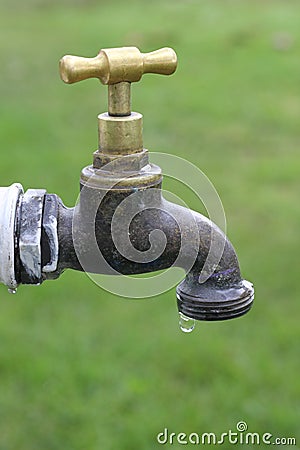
[(12, 291), (186, 323)]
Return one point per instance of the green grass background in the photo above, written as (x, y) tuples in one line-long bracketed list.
[(83, 369)]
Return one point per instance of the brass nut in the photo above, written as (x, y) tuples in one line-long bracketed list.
[(148, 177), (115, 163)]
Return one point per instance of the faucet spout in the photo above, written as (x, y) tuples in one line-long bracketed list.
[(95, 238), (213, 288)]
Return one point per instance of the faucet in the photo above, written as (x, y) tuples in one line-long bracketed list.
[(40, 237)]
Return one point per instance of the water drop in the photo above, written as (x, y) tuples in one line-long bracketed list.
[(186, 323), (12, 291)]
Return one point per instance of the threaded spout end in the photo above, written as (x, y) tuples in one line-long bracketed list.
[(216, 304)]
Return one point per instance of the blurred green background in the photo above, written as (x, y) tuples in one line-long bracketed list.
[(83, 369)]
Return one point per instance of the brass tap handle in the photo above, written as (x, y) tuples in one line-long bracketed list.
[(115, 65)]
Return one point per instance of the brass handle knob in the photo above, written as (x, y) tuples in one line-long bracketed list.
[(115, 65)]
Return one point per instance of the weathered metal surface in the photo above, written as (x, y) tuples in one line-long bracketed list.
[(208, 301), (119, 99), (49, 234), (120, 135), (30, 236), (149, 175), (133, 162), (223, 296)]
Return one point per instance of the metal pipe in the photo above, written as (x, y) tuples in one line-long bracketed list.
[(40, 238)]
